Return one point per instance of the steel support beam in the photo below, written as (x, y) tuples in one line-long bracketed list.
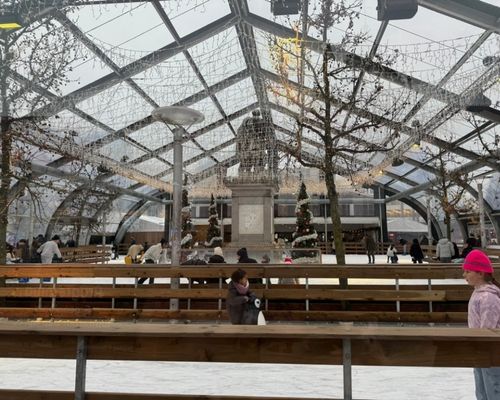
[(137, 66), (250, 53), (474, 12)]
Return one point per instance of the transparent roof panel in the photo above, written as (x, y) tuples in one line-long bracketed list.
[(117, 107), (119, 149), (215, 137), (219, 57), (237, 96), (200, 165), (209, 110), (153, 136), (152, 166), (225, 153), (141, 30), (473, 68), (169, 82), (421, 176), (188, 16), (121, 181), (84, 71)]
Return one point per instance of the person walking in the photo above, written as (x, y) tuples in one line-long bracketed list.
[(134, 251), (483, 312), (50, 249), (416, 253), (444, 250), (152, 256), (370, 246)]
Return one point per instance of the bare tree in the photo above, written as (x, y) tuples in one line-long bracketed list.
[(449, 185), (343, 109), (34, 61)]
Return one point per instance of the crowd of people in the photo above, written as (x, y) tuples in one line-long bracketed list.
[(40, 251), (446, 250)]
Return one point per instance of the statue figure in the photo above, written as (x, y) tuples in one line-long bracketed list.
[(254, 145)]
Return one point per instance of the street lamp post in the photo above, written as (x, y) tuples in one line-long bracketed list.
[(178, 117)]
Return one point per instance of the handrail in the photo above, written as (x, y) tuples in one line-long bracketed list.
[(380, 271), (327, 345)]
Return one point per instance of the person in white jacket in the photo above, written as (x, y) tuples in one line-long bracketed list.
[(444, 250), (50, 249), (153, 256)]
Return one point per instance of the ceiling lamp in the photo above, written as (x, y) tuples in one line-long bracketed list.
[(396, 9), (285, 7), (10, 21), (397, 162)]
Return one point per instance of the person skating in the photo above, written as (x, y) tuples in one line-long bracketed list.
[(370, 246), (416, 253), (243, 258), (483, 312), (444, 250), (50, 249), (392, 254), (152, 256), (217, 257)]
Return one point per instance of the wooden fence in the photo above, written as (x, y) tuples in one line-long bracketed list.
[(287, 344), (406, 294)]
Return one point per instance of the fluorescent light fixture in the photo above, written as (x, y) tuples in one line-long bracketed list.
[(10, 21)]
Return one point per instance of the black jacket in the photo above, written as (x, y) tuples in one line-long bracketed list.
[(216, 259), (416, 252)]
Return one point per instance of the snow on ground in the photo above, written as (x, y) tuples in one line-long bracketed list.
[(374, 383)]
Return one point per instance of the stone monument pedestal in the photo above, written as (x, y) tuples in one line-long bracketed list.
[(252, 215)]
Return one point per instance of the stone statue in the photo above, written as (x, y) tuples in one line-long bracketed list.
[(254, 145)]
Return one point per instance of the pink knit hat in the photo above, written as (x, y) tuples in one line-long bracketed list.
[(477, 261), (288, 260)]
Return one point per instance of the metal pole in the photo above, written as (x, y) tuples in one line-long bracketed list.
[(177, 208), (398, 304), (482, 225), (347, 365), (166, 220), (429, 220), (81, 367)]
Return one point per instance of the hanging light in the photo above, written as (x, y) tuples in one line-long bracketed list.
[(10, 21), (396, 9)]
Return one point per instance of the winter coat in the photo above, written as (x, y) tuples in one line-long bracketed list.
[(484, 307), (236, 304), (416, 252), (466, 250), (391, 252), (48, 250), (369, 244), (216, 259), (243, 257), (444, 249)]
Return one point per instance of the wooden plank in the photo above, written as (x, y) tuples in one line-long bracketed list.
[(314, 271), (214, 315), (60, 395), (258, 344), (147, 292)]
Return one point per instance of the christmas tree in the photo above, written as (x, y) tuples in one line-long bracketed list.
[(305, 235), (214, 238), (187, 224)]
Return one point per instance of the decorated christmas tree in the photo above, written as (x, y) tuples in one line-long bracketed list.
[(214, 238), (187, 224), (305, 235)]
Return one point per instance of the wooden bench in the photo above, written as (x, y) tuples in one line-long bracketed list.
[(290, 344), (387, 302)]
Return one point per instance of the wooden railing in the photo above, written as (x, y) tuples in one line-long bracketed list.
[(86, 254), (314, 299), (290, 344)]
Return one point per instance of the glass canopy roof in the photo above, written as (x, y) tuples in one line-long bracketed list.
[(134, 56)]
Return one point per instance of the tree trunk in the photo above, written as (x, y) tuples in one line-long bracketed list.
[(4, 187), (447, 221)]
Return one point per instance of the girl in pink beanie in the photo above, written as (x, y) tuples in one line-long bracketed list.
[(484, 312)]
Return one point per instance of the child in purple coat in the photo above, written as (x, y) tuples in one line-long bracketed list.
[(484, 312)]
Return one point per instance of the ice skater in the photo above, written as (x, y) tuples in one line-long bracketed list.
[(484, 312)]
